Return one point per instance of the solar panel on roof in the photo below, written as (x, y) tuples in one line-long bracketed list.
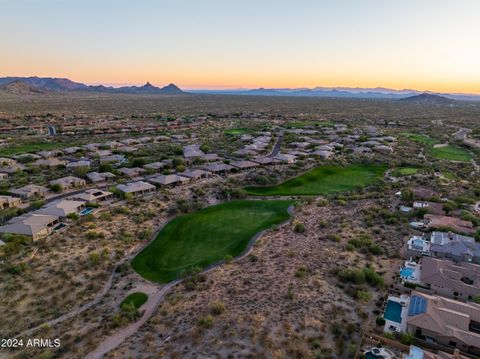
[(418, 305)]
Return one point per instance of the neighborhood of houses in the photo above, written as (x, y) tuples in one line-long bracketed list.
[(71, 195), (436, 295)]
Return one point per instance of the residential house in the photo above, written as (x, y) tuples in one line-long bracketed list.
[(9, 202), (244, 165), (78, 164), (68, 182), (218, 168), (30, 191), (445, 321), (62, 208), (138, 188), (210, 157), (116, 159), (49, 162), (3, 176), (285, 158), (263, 160), (31, 225), (456, 224), (169, 180), (195, 174), (458, 281), (155, 166), (93, 195), (96, 177), (131, 172)]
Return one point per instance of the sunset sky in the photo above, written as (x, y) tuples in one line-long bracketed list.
[(422, 44)]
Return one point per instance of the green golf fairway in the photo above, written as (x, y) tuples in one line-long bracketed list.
[(206, 237), (451, 153), (324, 180)]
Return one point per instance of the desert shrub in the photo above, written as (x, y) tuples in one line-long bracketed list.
[(217, 307)]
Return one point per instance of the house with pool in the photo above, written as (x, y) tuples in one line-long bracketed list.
[(417, 246)]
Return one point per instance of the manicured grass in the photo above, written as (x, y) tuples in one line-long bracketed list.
[(451, 153), (29, 147), (137, 299), (324, 180), (404, 171), (236, 131), (426, 140), (206, 237)]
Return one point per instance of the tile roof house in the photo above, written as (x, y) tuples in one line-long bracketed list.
[(49, 162), (458, 225), (68, 182), (194, 174), (285, 158), (93, 195), (156, 166), (96, 177), (218, 168), (168, 180), (263, 160), (244, 164), (457, 281), (78, 164), (9, 201), (62, 208), (33, 225), (445, 321), (131, 172), (138, 188), (29, 191)]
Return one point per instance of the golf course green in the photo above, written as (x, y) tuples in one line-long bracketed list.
[(136, 299), (404, 171), (449, 152), (206, 237), (324, 180)]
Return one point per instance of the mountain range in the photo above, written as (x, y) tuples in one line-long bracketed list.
[(42, 85), (341, 92), (50, 85)]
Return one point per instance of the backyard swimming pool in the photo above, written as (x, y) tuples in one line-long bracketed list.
[(86, 211), (393, 311), (407, 273)]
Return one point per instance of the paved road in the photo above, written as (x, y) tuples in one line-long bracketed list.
[(278, 144)]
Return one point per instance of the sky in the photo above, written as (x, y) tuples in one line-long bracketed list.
[(421, 44)]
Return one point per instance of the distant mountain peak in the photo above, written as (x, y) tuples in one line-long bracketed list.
[(19, 87), (42, 84), (428, 98)]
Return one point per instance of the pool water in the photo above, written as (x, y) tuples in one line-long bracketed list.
[(407, 272), (86, 211), (393, 311)]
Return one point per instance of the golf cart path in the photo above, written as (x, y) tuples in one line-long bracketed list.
[(98, 296), (154, 301)]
